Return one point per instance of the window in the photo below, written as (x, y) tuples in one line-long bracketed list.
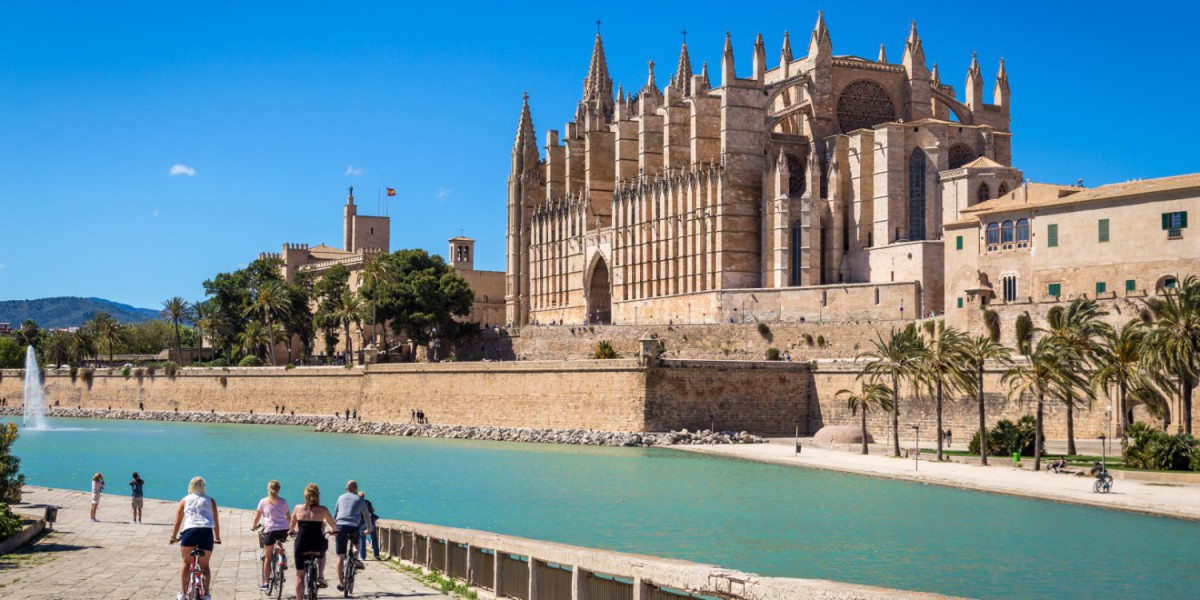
[(960, 154), (1054, 290), (983, 193), (1010, 287), (993, 235), (1101, 287), (1022, 233), (1006, 233), (958, 243), (876, 295), (960, 303), (862, 105), (1103, 230), (1174, 223), (1131, 285), (796, 253), (1052, 236), (916, 195), (1002, 190)]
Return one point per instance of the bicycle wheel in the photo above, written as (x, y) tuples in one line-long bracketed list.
[(279, 578), (348, 586)]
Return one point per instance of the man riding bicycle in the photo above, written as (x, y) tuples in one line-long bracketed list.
[(350, 514)]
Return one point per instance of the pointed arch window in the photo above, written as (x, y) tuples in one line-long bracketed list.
[(795, 254), (1002, 190), (916, 195), (960, 154), (984, 193), (796, 176)]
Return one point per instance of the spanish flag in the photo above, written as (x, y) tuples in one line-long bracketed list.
[(391, 191)]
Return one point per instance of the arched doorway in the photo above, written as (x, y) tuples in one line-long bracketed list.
[(599, 295)]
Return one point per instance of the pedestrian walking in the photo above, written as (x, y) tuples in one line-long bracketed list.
[(137, 485), (372, 535), (97, 489), (949, 436)]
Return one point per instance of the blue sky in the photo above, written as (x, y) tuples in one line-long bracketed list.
[(279, 107)]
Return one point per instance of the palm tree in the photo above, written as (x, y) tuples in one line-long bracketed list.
[(81, 345), (942, 368), (873, 395), (175, 310), (1050, 371), (376, 272), (270, 300), (895, 359), (253, 337), (977, 351), (1078, 329), (58, 348), (347, 309), (1173, 344), (1120, 363), (109, 331)]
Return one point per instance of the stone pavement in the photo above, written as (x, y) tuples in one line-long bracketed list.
[(114, 559), (1172, 500)]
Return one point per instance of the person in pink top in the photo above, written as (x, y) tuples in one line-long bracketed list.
[(274, 514)]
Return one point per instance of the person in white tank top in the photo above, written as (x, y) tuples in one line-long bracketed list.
[(196, 526)]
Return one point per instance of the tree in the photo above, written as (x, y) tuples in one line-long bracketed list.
[(83, 345), (1119, 363), (425, 294), (942, 368), (347, 310), (1078, 329), (175, 310), (327, 292), (253, 338), (1173, 344), (108, 331), (872, 396), (12, 355), (11, 478), (377, 271), (977, 351), (58, 348), (269, 299), (29, 335), (1049, 371), (896, 360)]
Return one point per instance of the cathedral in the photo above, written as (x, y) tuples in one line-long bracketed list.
[(816, 189)]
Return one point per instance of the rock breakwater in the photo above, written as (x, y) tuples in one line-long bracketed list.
[(579, 437)]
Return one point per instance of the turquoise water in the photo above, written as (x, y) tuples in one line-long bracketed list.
[(756, 517)]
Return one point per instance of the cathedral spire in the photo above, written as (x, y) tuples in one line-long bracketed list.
[(974, 84), (819, 43), (1001, 94), (525, 152), (728, 72), (759, 68), (597, 87), (785, 54), (935, 76), (914, 54), (882, 54), (683, 73), (650, 83)]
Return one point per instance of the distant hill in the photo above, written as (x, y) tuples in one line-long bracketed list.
[(69, 311)]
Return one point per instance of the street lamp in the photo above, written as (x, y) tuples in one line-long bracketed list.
[(1103, 453), (436, 343), (796, 422), (917, 456)]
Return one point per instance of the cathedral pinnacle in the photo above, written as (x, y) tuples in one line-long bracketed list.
[(914, 53), (882, 54), (597, 87), (937, 77), (525, 152), (1002, 74), (650, 83), (785, 54), (728, 72), (820, 43), (683, 73), (704, 76), (759, 67), (974, 69)]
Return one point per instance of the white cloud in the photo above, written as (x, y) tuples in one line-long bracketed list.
[(353, 171), (182, 169), (156, 213), (442, 193)]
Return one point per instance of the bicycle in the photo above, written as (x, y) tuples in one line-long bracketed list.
[(351, 566), (195, 588), (276, 577), (1103, 483), (311, 574)]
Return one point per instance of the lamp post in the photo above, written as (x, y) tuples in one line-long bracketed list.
[(436, 343), (917, 456), (1103, 453), (796, 422), (1108, 414)]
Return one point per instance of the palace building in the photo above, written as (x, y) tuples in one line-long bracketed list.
[(816, 189)]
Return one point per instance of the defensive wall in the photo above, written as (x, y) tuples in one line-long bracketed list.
[(607, 395)]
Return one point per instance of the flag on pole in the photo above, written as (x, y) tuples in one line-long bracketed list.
[(391, 191)]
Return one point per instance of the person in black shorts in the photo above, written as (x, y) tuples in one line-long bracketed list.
[(308, 525)]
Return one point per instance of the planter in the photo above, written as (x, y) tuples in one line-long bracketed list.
[(32, 528)]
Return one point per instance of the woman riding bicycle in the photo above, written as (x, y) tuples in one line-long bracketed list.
[(308, 525), (273, 512), (197, 515)]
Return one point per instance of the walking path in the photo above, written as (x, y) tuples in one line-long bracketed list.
[(1173, 500), (114, 559)]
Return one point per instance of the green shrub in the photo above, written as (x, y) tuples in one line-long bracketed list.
[(929, 326), (250, 361), (991, 319), (604, 350), (170, 368), (821, 341), (218, 362), (1006, 438), (223, 381), (763, 330), (86, 374), (290, 366), (1153, 448), (151, 370), (126, 371), (808, 339), (74, 373), (1024, 333), (772, 353), (10, 524), (11, 478)]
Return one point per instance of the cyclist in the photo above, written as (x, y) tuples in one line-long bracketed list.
[(349, 514), (273, 511), (308, 525), (1098, 471), (197, 515)]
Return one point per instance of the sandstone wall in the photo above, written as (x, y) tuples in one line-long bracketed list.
[(763, 397)]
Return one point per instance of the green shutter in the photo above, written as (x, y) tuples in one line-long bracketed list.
[(1101, 287), (1130, 285), (1183, 220), (1052, 235), (1166, 221), (1055, 290), (1103, 230), (958, 243), (960, 302)]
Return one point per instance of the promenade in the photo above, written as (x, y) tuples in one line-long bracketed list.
[(1172, 500), (114, 559)]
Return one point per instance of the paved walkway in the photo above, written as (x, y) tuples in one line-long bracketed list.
[(114, 559), (1174, 500)]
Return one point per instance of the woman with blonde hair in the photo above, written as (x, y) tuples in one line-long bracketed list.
[(273, 512), (97, 489), (308, 525), (197, 515)]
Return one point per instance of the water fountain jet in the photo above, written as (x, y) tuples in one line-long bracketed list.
[(34, 414)]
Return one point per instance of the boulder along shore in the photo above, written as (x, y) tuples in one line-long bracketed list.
[(322, 424)]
